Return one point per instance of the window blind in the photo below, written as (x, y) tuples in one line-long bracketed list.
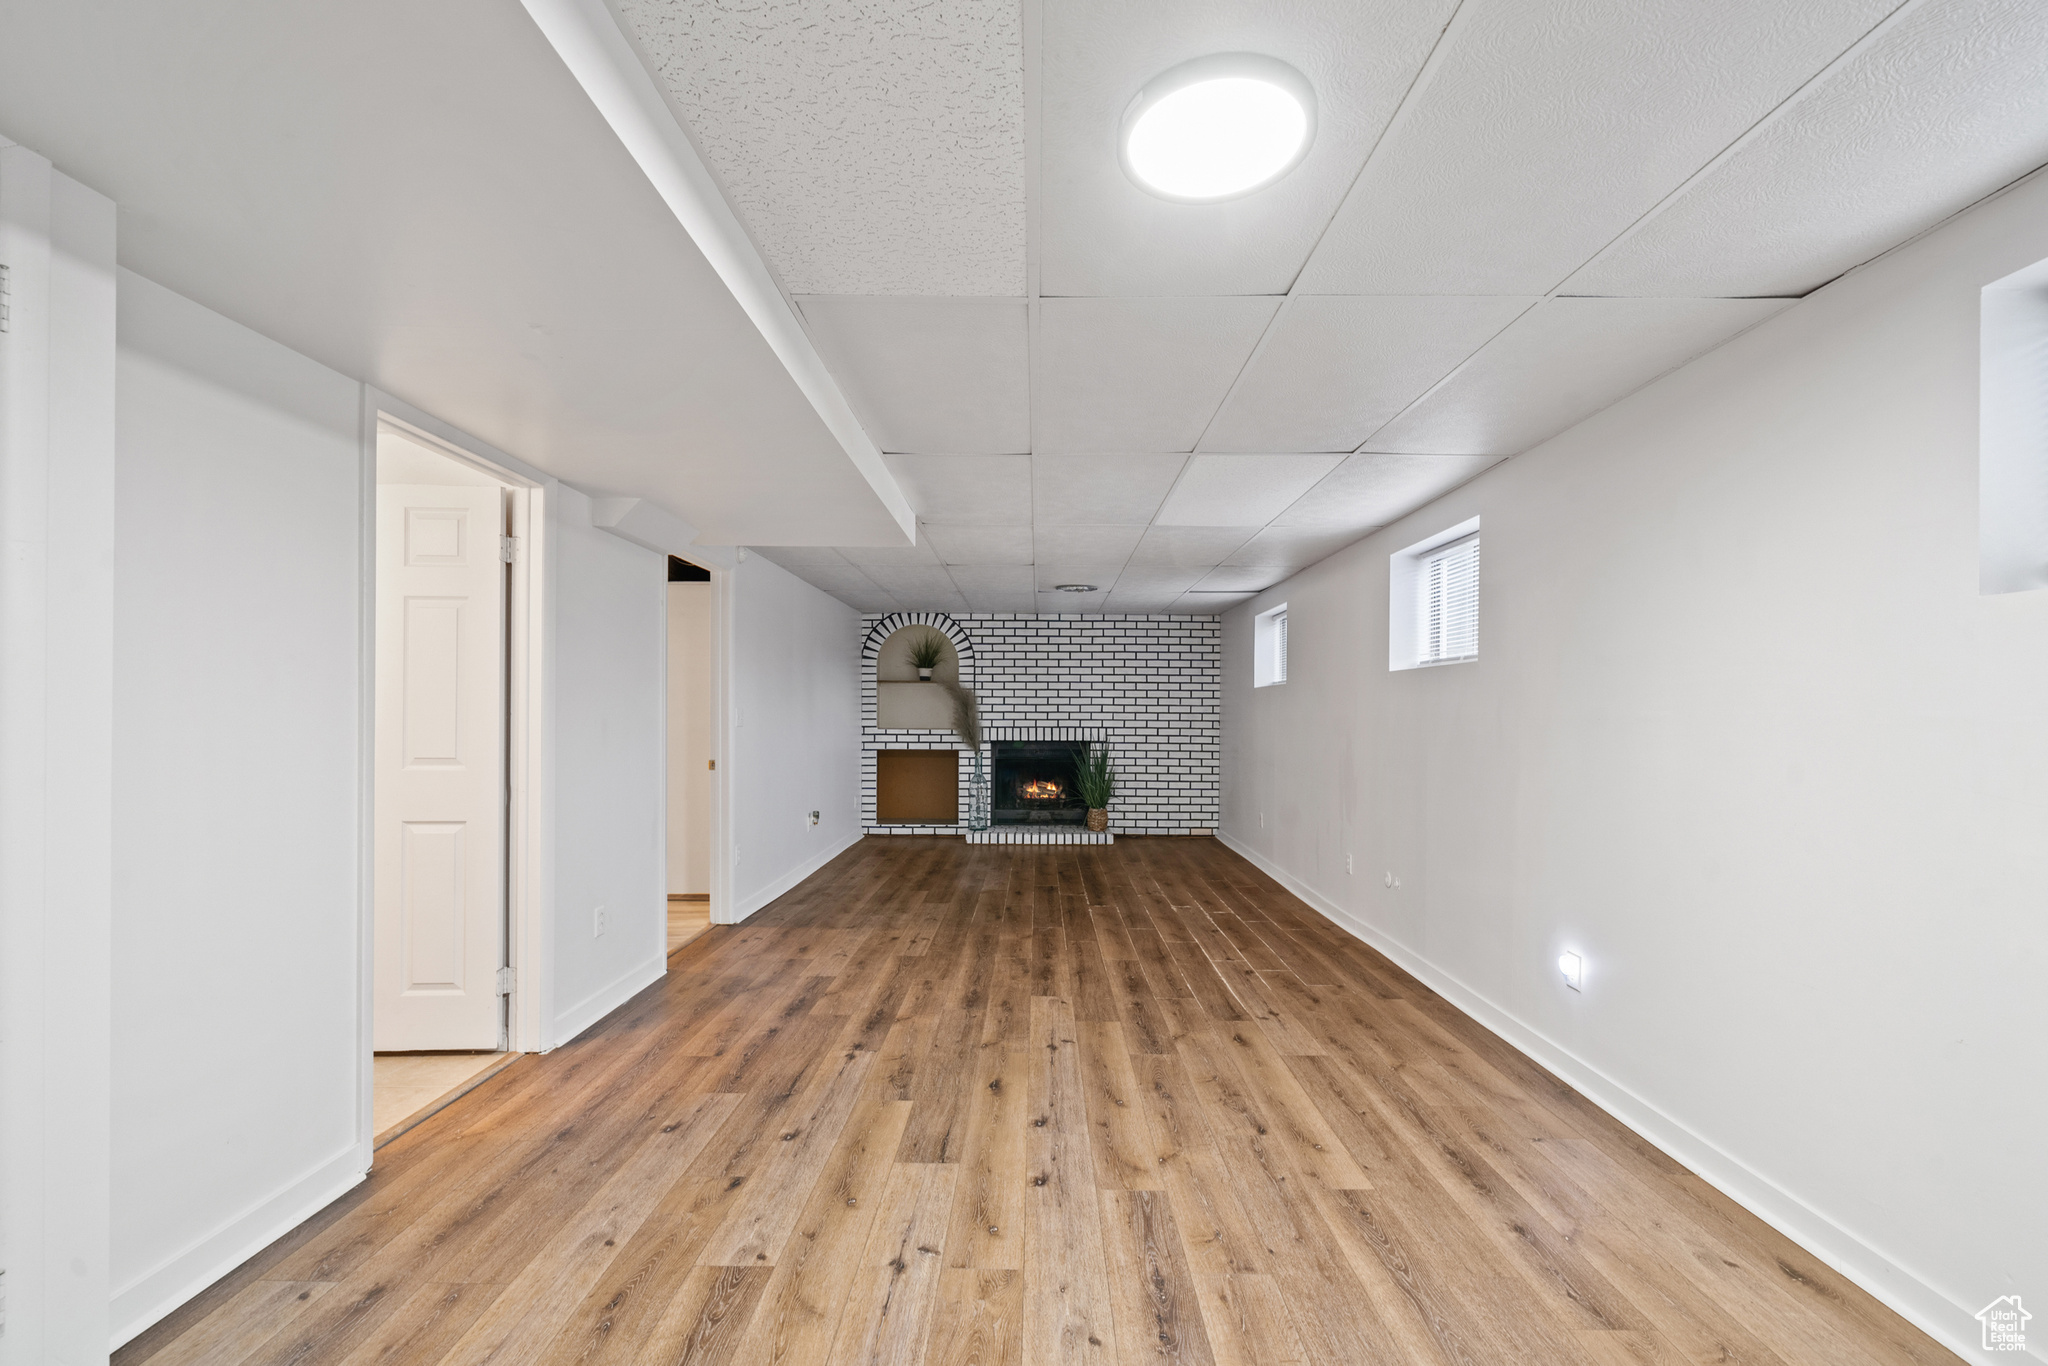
[(1450, 602), (1280, 669)]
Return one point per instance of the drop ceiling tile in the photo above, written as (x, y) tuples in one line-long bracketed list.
[(1228, 490), (1157, 580), (976, 579), (843, 579), (1210, 604), (1937, 112), (981, 545), (1560, 363), (1289, 549), (1137, 602), (1370, 490), (1100, 490), (933, 602), (1104, 235), (991, 601), (873, 600), (1086, 544), (936, 376), (866, 556), (966, 490), (790, 556), (1546, 129), (1237, 578), (1188, 547), (1336, 368), (1137, 374), (906, 581), (872, 148)]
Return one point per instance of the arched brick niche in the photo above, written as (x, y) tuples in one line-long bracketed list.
[(896, 738), (963, 644)]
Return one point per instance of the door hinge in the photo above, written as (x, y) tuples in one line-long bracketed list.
[(508, 549), (507, 980)]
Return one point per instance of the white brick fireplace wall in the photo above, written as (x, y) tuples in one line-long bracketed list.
[(1149, 686)]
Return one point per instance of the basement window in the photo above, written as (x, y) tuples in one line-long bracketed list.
[(2012, 452), (1433, 600), (1269, 647)]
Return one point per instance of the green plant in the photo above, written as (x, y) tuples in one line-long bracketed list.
[(927, 648), (1095, 776), (966, 714)]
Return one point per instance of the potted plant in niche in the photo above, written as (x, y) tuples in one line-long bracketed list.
[(1095, 777), (927, 648)]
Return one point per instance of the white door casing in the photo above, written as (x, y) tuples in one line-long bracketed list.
[(440, 767)]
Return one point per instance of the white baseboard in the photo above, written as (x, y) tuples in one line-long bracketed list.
[(754, 901), (607, 998), (1951, 1324), (156, 1293)]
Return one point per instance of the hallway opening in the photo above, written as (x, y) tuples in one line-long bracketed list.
[(692, 747)]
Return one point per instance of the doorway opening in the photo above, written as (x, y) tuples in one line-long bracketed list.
[(692, 747), (449, 589)]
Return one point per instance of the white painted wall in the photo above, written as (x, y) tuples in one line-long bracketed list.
[(692, 736), (609, 707), (796, 731), (236, 1021), (1744, 734), (237, 1027), (57, 376)]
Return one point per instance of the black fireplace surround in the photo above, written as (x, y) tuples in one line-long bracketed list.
[(1033, 782)]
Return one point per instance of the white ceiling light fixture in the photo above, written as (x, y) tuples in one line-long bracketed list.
[(1075, 588), (1217, 127)]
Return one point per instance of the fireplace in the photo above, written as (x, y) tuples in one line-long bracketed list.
[(1034, 783)]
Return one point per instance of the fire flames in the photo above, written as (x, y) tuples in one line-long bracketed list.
[(1042, 790)]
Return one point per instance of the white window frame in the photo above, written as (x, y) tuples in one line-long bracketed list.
[(1405, 570), (1269, 647), (2012, 476)]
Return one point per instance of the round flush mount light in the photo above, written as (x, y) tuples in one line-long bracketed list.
[(1217, 127), (1075, 588)]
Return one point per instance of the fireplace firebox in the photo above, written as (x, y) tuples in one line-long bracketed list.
[(1034, 783)]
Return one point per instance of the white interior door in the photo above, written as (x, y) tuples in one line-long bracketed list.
[(440, 812)]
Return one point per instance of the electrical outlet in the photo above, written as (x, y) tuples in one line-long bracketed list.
[(1348, 866), (814, 818), (1262, 820), (599, 922), (1573, 969), (1393, 881)]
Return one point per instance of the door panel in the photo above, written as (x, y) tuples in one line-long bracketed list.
[(431, 906), (440, 801)]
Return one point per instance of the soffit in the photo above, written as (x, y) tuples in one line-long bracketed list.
[(422, 197)]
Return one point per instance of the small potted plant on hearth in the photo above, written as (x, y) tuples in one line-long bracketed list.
[(1095, 777), (927, 648)]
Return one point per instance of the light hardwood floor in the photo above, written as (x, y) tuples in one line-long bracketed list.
[(1015, 1104)]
